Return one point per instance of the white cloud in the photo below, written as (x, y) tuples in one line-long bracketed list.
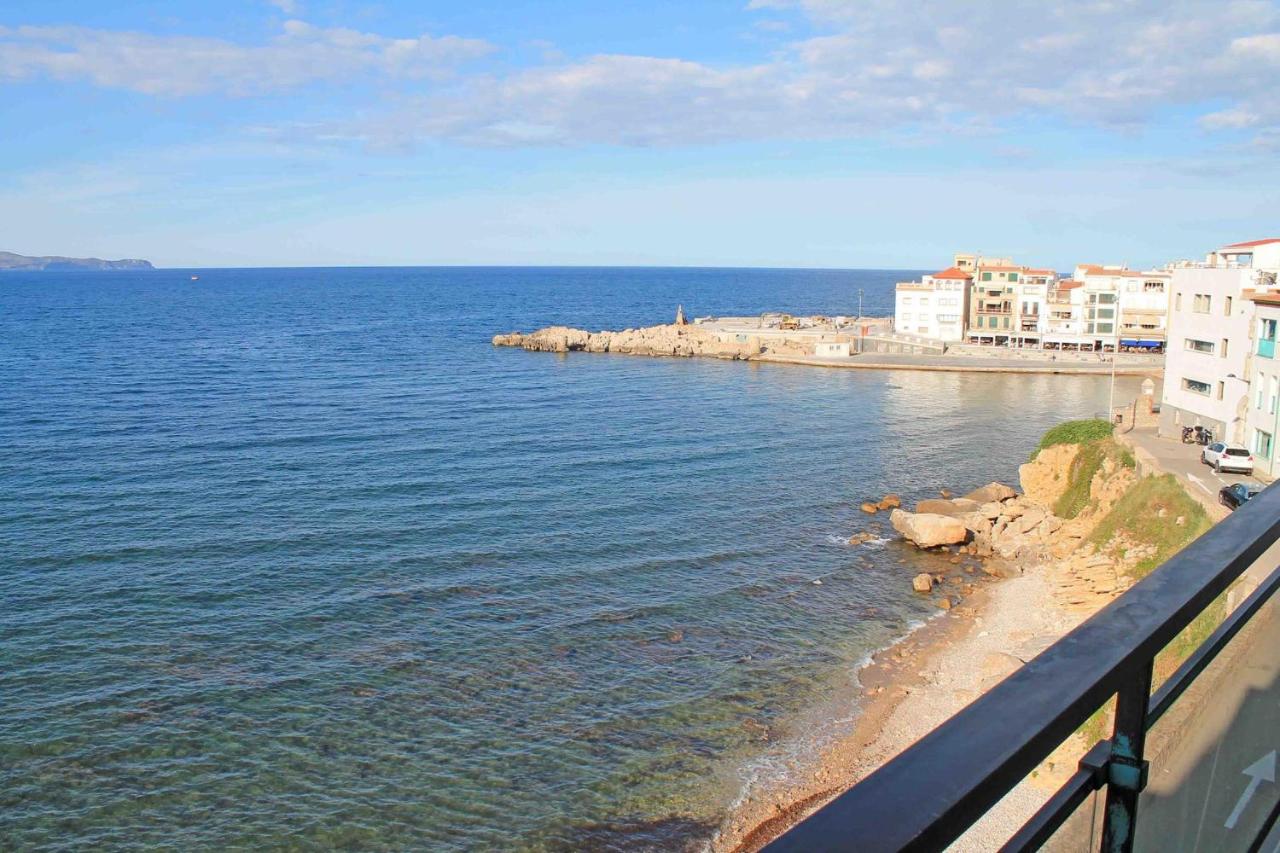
[(179, 66), (872, 66), (875, 67)]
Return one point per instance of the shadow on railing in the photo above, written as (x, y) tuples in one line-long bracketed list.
[(931, 793)]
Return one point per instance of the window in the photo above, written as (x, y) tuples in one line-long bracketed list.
[(1199, 346), (1105, 328), (986, 276), (1195, 386), (1224, 347), (1228, 310), (1268, 330), (1262, 443), (1177, 302), (1153, 286), (1202, 303), (1222, 387), (1013, 276)]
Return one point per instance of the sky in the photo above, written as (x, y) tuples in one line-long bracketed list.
[(789, 133)]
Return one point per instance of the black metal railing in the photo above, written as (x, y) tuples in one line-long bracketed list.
[(928, 795)]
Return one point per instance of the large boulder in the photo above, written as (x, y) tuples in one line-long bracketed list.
[(957, 507), (991, 492), (929, 530)]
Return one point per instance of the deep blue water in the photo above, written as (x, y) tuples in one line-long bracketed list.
[(296, 558)]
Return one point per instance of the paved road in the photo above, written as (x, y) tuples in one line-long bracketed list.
[(1183, 460)]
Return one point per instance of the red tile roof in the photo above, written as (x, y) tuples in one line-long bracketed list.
[(1069, 283), (953, 272), (1040, 272), (1250, 244)]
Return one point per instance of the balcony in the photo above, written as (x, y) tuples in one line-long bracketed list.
[(1266, 348), (953, 775)]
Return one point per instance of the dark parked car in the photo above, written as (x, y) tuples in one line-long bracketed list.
[(1235, 495)]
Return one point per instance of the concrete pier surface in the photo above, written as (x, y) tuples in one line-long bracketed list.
[(973, 364)]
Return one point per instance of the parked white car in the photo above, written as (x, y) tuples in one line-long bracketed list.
[(1227, 457)]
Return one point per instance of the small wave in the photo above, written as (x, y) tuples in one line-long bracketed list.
[(843, 541)]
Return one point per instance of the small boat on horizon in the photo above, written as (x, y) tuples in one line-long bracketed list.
[(195, 278)]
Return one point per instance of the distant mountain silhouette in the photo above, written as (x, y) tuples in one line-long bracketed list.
[(11, 261)]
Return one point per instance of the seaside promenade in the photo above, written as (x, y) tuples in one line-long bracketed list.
[(1134, 366)]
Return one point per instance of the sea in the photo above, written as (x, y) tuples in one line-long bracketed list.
[(295, 558)]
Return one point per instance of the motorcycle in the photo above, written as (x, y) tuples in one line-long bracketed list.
[(1197, 435)]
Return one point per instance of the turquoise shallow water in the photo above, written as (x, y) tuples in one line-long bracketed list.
[(296, 558)]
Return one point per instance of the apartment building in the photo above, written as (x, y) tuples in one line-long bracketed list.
[(1263, 416), (1210, 370), (1137, 317), (992, 301), (934, 307)]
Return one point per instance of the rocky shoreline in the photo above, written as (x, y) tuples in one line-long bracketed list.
[(676, 340), (1047, 577)]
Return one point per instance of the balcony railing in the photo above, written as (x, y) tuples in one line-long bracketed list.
[(1266, 348), (926, 797)]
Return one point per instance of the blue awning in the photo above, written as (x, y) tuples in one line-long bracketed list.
[(1143, 344)]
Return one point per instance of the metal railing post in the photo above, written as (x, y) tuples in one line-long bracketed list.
[(1127, 770)]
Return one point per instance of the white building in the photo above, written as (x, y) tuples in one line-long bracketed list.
[(1209, 365), (1255, 254), (934, 307), (1139, 317), (1083, 313), (1263, 418)]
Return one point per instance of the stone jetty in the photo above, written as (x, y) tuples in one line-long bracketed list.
[(678, 340)]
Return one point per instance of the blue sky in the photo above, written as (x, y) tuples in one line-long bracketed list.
[(836, 133)]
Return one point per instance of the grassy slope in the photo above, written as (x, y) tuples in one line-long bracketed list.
[(1146, 514)]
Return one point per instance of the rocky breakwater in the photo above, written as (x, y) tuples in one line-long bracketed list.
[(1049, 528), (674, 339), (993, 523)]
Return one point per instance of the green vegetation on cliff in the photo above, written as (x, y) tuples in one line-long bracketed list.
[(1093, 454), (1075, 432), (1148, 514)]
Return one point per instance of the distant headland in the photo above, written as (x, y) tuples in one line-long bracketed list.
[(22, 263)]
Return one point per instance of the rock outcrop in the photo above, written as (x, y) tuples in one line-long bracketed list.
[(1045, 478), (991, 492), (677, 340)]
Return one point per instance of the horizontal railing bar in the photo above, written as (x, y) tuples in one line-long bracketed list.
[(954, 774), (1063, 804), (1204, 654)]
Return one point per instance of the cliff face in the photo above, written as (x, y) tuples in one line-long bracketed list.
[(1086, 521), (24, 263)]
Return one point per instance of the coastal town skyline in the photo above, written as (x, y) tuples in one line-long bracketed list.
[(771, 133)]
